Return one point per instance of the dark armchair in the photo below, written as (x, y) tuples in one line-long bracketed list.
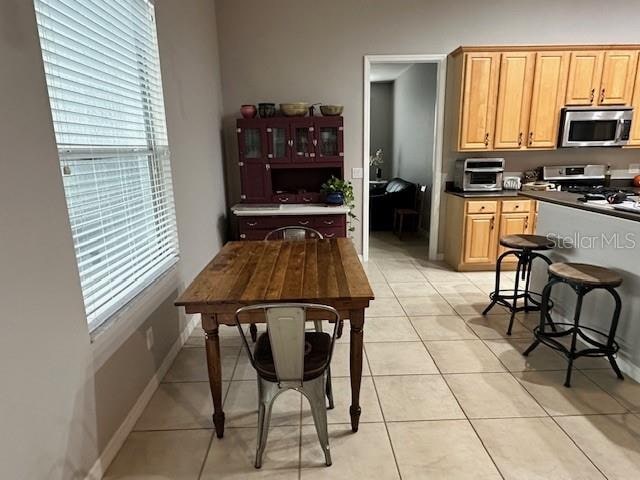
[(397, 194)]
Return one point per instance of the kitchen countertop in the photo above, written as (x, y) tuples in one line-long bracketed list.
[(569, 199), (257, 209), (501, 193)]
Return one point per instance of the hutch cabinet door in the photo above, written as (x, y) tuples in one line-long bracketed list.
[(255, 180), (618, 76), (252, 141), (329, 139), (514, 97), (479, 94), (549, 85), (302, 139), (278, 140), (585, 70)]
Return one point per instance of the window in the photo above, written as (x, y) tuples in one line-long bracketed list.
[(103, 77)]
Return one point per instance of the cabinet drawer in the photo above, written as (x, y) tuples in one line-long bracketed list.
[(328, 221), (515, 206), (332, 232), (285, 198), (483, 206), (253, 234), (309, 197), (254, 223)]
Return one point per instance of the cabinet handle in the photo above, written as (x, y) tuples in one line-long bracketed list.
[(242, 235), (306, 199), (252, 224), (526, 223), (602, 96), (329, 235), (493, 223), (486, 139), (517, 206), (520, 139), (530, 138), (593, 92), (305, 222), (328, 222), (283, 199), (267, 166)]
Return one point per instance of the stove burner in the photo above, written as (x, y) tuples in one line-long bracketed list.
[(597, 190)]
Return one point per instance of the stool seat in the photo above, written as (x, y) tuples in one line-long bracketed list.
[(530, 242), (585, 274)]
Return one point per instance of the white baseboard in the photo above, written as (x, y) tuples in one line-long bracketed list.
[(113, 447)]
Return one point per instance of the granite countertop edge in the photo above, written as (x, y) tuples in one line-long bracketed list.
[(569, 199)]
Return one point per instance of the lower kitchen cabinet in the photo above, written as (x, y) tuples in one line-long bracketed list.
[(474, 227)]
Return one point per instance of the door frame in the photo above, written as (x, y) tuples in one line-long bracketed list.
[(438, 131)]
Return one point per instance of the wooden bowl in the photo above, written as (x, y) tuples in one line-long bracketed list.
[(331, 110), (297, 109)]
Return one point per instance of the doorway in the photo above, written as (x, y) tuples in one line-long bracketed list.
[(403, 136)]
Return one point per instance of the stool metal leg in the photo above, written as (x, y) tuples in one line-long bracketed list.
[(612, 331), (544, 311), (574, 334), (496, 291), (519, 270)]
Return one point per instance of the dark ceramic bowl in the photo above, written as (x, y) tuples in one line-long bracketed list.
[(266, 110)]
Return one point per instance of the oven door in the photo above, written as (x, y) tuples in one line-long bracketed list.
[(483, 180), (596, 128)]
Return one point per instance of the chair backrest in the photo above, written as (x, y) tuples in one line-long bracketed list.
[(294, 232), (286, 330)]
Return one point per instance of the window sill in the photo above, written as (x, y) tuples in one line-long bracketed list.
[(109, 337)]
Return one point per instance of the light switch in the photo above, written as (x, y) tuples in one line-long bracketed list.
[(357, 173)]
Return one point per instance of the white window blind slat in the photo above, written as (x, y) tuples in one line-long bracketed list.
[(105, 89)]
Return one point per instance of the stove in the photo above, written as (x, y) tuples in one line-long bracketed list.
[(588, 180)]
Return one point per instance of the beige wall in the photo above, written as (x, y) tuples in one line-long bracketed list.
[(57, 412), (313, 51)]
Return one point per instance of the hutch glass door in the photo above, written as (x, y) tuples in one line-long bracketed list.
[(328, 139)]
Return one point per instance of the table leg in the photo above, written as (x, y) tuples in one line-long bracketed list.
[(214, 367), (356, 319)]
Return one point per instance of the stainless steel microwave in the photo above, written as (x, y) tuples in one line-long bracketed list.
[(595, 126)]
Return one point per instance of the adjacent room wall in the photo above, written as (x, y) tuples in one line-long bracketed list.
[(414, 117), (58, 410), (382, 126), (302, 50)]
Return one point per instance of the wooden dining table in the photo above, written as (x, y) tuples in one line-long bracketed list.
[(326, 272)]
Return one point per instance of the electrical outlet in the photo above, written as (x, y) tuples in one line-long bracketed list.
[(357, 173), (634, 168), (149, 338)]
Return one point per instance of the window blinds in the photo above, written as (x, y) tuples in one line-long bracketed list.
[(103, 77)]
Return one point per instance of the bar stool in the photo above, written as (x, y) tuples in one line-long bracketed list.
[(525, 248), (582, 278)]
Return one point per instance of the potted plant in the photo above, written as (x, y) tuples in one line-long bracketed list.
[(340, 192)]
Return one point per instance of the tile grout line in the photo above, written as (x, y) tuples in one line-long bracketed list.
[(206, 455)]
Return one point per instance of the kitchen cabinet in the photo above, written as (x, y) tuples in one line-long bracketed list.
[(547, 98), (257, 227), (585, 72), (634, 136), (480, 238), (514, 100), (601, 77), (255, 181), (618, 77), (474, 228), (510, 98), (478, 106), (328, 139)]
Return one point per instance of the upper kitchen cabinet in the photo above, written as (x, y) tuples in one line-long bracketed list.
[(514, 100), (585, 72), (547, 98), (478, 105), (634, 136), (618, 77), (601, 77)]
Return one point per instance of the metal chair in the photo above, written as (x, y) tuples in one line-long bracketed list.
[(293, 232), (287, 357)]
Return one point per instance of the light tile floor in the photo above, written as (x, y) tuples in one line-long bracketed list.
[(445, 395)]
